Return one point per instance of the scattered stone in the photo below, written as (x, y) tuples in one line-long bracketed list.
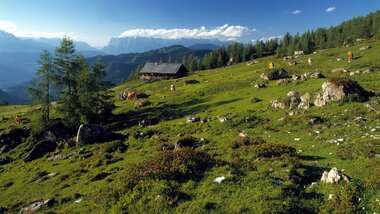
[(243, 134), (205, 120), (279, 104), (222, 118), (274, 74), (339, 59), (148, 122), (339, 70), (193, 119), (91, 133), (317, 75), (255, 100), (360, 119), (363, 48), (331, 196), (296, 77), (259, 85), (368, 71), (305, 101), (293, 63), (78, 201), (282, 81), (219, 179), (58, 157), (315, 120), (40, 149), (294, 99), (333, 176), (36, 206), (52, 174)]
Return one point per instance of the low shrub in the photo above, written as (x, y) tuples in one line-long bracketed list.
[(115, 146), (344, 200), (179, 165), (269, 150), (246, 141), (158, 196), (366, 149)]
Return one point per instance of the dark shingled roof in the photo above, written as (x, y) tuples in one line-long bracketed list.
[(161, 68)]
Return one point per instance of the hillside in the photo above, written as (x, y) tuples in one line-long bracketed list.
[(282, 175), (4, 97)]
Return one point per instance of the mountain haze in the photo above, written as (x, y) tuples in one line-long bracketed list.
[(143, 44)]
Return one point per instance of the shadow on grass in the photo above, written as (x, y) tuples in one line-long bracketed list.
[(163, 112)]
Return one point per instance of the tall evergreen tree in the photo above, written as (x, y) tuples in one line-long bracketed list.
[(66, 72), (41, 92)]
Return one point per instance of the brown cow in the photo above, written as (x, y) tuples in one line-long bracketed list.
[(350, 56), (131, 95), (18, 119)]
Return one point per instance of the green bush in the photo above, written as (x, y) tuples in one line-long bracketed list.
[(269, 150), (366, 149), (246, 141), (344, 200), (178, 165), (115, 146), (150, 197)]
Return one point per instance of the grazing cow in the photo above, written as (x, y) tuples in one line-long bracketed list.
[(350, 56), (310, 61), (131, 95), (18, 119), (271, 65)]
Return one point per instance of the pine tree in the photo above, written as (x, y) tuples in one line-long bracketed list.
[(41, 92), (65, 79)]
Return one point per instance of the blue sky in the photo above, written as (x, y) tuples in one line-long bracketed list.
[(96, 21)]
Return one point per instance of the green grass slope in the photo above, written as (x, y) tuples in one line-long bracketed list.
[(97, 179)]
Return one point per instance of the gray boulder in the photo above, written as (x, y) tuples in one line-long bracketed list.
[(337, 90), (91, 133), (40, 149), (36, 206), (275, 74)]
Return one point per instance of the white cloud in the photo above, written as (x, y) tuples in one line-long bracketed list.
[(296, 12), (12, 28), (224, 33), (330, 9)]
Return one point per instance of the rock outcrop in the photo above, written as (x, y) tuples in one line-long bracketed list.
[(40, 149), (91, 133), (275, 74), (12, 138), (36, 206), (333, 176), (341, 89)]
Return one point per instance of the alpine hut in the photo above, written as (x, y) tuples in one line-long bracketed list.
[(162, 71)]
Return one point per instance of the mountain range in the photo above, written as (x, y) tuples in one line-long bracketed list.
[(18, 57), (142, 44)]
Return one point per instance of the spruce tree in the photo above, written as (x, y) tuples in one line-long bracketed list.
[(41, 92), (65, 79)]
